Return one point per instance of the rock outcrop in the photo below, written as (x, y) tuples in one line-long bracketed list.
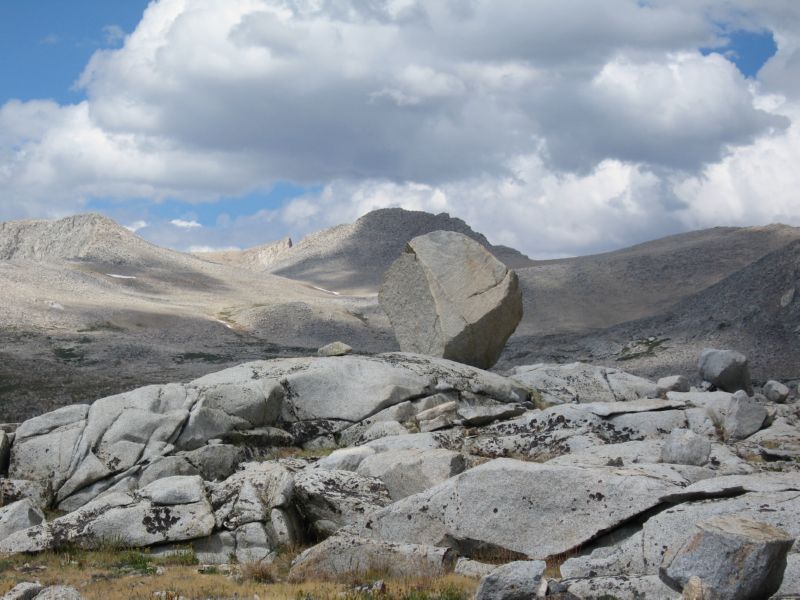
[(447, 296)]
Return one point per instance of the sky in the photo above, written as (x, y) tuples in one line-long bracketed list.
[(558, 127)]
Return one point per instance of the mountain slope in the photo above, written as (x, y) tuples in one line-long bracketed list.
[(577, 295), (353, 258), (755, 310)]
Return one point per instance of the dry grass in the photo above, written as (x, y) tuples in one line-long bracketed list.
[(132, 575)]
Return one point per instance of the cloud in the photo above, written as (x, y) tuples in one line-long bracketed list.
[(560, 126), (136, 226), (50, 40), (183, 224)]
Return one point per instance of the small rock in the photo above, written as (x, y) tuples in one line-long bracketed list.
[(745, 417), (334, 349), (725, 369), (59, 592), (674, 383), (518, 580), (736, 557), (775, 391), (684, 447)]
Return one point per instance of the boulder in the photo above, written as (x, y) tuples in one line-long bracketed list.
[(23, 591), (684, 447), (17, 516), (673, 383), (346, 555), (216, 462), (134, 520), (329, 500), (447, 296), (726, 370), (775, 391), (334, 349), (579, 382), (483, 507), (745, 416), (518, 580), (641, 553), (407, 472), (736, 557)]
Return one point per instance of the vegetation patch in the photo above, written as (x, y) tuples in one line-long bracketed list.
[(202, 356), (641, 348), (67, 354)]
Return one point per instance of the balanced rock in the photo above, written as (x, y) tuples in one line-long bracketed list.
[(447, 296), (737, 558), (725, 369)]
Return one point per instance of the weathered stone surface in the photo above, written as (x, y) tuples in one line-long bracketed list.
[(23, 591), (166, 466), (673, 383), (738, 558), (334, 349), (484, 506), (345, 459), (466, 567), (407, 472), (579, 382), (59, 592), (217, 549), (175, 490), (251, 494), (684, 447), (254, 544), (620, 588), (447, 296), (775, 391), (725, 369), (330, 500), (518, 580), (12, 490), (642, 552), (733, 485), (349, 555), (418, 441), (216, 462), (17, 516), (128, 519), (745, 417), (380, 430)]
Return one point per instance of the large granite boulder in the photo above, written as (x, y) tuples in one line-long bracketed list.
[(483, 508), (118, 444), (725, 369), (447, 296), (407, 472), (168, 510), (736, 557)]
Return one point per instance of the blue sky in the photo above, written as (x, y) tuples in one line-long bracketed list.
[(558, 127)]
